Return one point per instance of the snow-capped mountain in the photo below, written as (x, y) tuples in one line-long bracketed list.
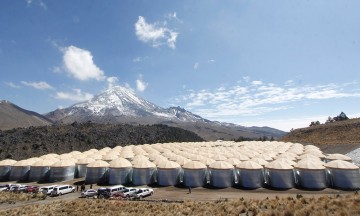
[(120, 102), (121, 105)]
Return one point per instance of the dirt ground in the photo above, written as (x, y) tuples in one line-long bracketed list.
[(174, 194)]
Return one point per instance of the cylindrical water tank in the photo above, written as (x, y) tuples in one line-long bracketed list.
[(5, 167), (310, 174), (62, 170), (97, 172), (120, 171), (250, 174), (343, 174), (222, 174), (168, 173), (279, 175), (20, 170), (144, 173), (40, 170), (195, 174), (81, 164)]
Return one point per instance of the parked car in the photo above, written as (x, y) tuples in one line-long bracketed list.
[(62, 189), (143, 192), (89, 193), (32, 189), (128, 192), (18, 188), (4, 188), (47, 189)]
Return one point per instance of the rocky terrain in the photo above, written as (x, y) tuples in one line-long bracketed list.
[(29, 142)]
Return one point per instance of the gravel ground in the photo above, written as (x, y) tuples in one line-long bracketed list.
[(355, 156)]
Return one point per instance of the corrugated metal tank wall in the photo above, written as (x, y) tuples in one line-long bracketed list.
[(144, 176), (195, 177), (251, 178), (4, 173), (169, 177), (120, 175)]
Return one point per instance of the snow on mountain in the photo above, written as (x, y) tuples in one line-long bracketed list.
[(120, 101)]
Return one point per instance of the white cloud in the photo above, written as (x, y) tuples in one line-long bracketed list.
[(211, 60), (112, 81), (56, 70), (155, 34), (196, 65), (257, 82), (140, 84), (256, 98), (79, 64), (37, 2), (137, 59), (76, 95), (12, 85), (38, 85)]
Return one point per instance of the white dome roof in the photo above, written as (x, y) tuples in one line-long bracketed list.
[(23, 163), (85, 161), (338, 157), (98, 163), (120, 163), (249, 165), (144, 164), (309, 164), (194, 165), (340, 164), (63, 163), (42, 163), (168, 165), (221, 165), (277, 164), (7, 162)]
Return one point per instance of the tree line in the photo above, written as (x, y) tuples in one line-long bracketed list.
[(341, 117)]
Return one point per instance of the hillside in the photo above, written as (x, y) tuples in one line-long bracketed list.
[(12, 116), (329, 136), (24, 143)]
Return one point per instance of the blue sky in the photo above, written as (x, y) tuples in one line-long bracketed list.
[(276, 63)]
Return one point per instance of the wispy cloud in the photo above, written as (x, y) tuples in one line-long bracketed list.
[(141, 85), (39, 3), (112, 81), (76, 95), (38, 85), (256, 97), (156, 34), (79, 64), (12, 85), (196, 65)]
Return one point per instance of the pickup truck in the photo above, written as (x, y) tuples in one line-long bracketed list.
[(143, 192)]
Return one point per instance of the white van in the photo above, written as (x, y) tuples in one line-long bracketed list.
[(62, 189), (111, 190), (47, 189)]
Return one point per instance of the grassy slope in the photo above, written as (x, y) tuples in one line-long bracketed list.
[(343, 132)]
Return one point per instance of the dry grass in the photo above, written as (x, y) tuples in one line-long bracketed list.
[(326, 205), (343, 132), (11, 198)]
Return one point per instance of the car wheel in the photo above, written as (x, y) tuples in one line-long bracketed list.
[(151, 193), (73, 191), (60, 194)]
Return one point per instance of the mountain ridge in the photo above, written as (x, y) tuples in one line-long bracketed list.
[(121, 105)]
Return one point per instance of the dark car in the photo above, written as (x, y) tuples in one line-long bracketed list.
[(103, 193)]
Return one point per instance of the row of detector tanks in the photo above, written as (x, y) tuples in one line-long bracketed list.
[(249, 164)]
